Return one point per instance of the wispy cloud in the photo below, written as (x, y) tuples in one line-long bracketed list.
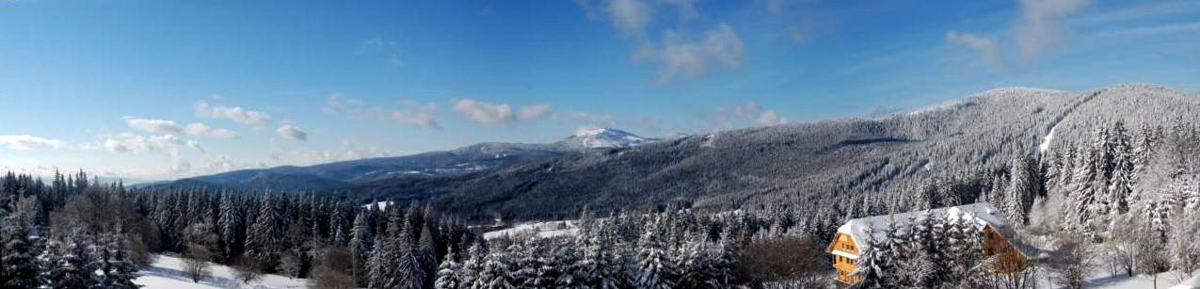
[(384, 48), (200, 129), (683, 57), (291, 132), (410, 113), (629, 17), (726, 117), (29, 142), (127, 142), (1155, 30), (152, 125), (491, 115), (1040, 25), (984, 45), (236, 114), (680, 53)]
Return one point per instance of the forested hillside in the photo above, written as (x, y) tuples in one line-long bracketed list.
[(944, 155)]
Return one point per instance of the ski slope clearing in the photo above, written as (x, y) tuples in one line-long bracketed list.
[(167, 273)]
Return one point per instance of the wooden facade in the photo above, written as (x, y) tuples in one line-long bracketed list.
[(845, 257), (845, 249)]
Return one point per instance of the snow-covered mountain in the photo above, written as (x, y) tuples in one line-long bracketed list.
[(464, 160), (600, 138)]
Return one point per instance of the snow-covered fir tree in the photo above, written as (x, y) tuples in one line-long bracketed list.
[(72, 262), (117, 268), (653, 269), (19, 251), (262, 237), (361, 244), (447, 276)]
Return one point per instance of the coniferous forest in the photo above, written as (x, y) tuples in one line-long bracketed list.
[(1118, 199)]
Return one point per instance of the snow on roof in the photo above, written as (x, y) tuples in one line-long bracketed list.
[(981, 214)]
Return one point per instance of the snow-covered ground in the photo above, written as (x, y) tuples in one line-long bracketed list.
[(1101, 278), (167, 273), (538, 229)]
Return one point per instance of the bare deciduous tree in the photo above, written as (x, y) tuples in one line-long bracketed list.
[(1072, 261), (195, 262), (247, 269), (794, 259), (334, 270)]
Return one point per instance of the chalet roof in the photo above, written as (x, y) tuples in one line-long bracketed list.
[(980, 214)]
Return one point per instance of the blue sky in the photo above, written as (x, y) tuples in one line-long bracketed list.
[(167, 89)]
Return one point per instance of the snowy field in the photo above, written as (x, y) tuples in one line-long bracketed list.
[(1101, 278), (167, 273), (538, 229), (1165, 280)]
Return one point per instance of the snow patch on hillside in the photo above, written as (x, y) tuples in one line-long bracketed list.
[(536, 229), (167, 272), (382, 205)]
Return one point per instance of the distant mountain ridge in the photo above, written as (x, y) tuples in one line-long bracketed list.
[(345, 174), (954, 151)]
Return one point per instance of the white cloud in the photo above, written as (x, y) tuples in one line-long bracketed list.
[(683, 56), (127, 142), (599, 119), (222, 163), (748, 114), (28, 142), (680, 52), (411, 113), (490, 115), (770, 117), (630, 17), (985, 46), (152, 125), (237, 114), (115, 146), (347, 151), (1040, 25), (291, 132), (200, 129), (531, 112)]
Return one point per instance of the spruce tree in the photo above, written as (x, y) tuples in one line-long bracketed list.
[(425, 252), (230, 226), (19, 251), (385, 259), (447, 276), (119, 271), (653, 270), (262, 238), (72, 262), (361, 243), (409, 274), (496, 273), (472, 267)]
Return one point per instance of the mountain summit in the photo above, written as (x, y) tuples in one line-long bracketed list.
[(601, 138)]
